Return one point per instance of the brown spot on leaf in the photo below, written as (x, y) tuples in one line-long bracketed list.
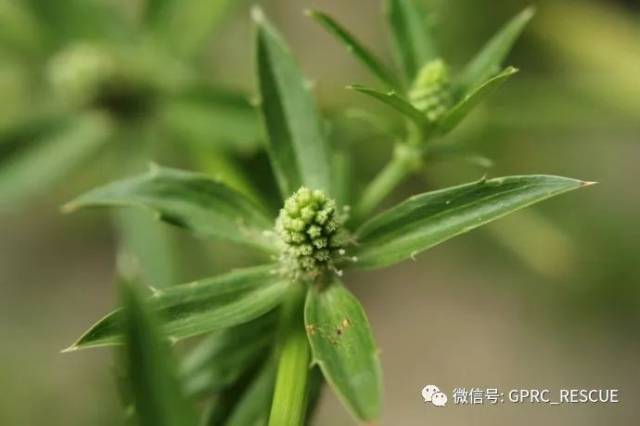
[(342, 326)]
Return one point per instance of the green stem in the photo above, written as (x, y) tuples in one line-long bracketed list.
[(407, 158), (289, 404)]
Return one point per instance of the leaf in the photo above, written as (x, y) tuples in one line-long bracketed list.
[(156, 10), (214, 126), (149, 244), (201, 306), (297, 147), (428, 219), (341, 173), (411, 35), (32, 172), (489, 60), (253, 408), (396, 102), (459, 111), (289, 404), (227, 168), (212, 118), (220, 359), (28, 130), (368, 59), (19, 31), (184, 25), (218, 409), (458, 152), (70, 20), (157, 395), (314, 393), (189, 200), (342, 345)]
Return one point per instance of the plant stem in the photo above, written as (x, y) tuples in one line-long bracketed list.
[(289, 404), (407, 158)]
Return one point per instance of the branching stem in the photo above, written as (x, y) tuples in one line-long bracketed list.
[(407, 158)]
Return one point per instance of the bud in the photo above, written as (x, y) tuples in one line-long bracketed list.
[(311, 230), (431, 90), (80, 72)]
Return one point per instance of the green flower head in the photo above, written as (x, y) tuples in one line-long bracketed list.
[(431, 91), (311, 230), (80, 72)]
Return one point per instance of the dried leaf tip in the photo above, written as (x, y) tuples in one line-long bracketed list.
[(154, 168), (257, 14), (69, 207), (510, 70), (72, 348), (529, 12)]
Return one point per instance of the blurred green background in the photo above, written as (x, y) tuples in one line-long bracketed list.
[(544, 299)]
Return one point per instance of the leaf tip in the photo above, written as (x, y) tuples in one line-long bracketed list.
[(154, 168), (257, 14), (73, 348), (584, 183), (69, 207), (310, 13), (510, 70), (529, 12)]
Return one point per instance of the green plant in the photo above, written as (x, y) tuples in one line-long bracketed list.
[(432, 101), (127, 82), (102, 90), (277, 325)]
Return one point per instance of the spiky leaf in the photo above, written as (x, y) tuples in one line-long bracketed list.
[(253, 407), (489, 60), (355, 47), (201, 306), (459, 111), (428, 219), (157, 394), (342, 345), (193, 201), (395, 101), (297, 147), (221, 358), (411, 35)]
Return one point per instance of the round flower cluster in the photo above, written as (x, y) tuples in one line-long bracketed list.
[(80, 72), (310, 227), (431, 91)]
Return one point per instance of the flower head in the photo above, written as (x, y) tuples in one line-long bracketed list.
[(80, 72), (311, 230), (431, 90)]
